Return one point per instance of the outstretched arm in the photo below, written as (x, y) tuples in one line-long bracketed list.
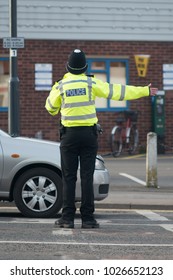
[(153, 91)]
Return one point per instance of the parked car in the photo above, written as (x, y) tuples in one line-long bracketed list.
[(30, 175)]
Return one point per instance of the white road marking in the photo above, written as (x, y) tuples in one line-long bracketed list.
[(133, 178), (84, 243), (104, 222), (27, 221), (151, 215), (167, 227), (78, 224), (62, 231)]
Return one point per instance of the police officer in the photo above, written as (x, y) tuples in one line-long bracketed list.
[(74, 96)]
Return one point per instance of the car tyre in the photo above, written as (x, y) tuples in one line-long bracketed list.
[(38, 193)]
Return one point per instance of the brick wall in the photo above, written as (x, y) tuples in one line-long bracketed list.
[(33, 116)]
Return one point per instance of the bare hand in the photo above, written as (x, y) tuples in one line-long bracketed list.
[(153, 91)]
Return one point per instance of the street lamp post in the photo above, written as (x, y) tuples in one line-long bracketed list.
[(13, 111)]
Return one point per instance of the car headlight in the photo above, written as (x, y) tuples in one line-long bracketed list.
[(99, 164)]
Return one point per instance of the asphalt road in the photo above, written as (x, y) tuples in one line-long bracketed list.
[(136, 167), (123, 234), (127, 184)]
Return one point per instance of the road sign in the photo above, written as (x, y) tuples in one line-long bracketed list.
[(13, 42)]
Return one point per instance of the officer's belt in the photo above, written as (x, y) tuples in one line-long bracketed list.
[(79, 127)]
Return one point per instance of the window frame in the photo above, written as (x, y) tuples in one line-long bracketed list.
[(4, 109), (106, 71)]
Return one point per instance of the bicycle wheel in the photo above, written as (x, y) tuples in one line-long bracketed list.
[(133, 140), (116, 141)]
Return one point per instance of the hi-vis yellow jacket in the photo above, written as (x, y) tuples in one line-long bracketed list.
[(74, 96)]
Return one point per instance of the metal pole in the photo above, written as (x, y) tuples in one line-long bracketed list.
[(13, 111), (151, 160)]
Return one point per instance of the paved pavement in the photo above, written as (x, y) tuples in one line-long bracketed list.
[(127, 184)]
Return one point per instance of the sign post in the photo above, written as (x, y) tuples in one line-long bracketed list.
[(13, 112), (13, 43)]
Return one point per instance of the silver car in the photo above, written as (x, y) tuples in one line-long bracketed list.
[(30, 175)]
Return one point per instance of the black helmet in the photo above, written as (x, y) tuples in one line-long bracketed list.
[(77, 62)]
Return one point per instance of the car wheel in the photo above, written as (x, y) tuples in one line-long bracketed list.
[(38, 193)]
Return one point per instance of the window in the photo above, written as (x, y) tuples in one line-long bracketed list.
[(4, 81), (111, 71)]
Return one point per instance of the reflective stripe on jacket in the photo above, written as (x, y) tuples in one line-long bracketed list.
[(74, 96)]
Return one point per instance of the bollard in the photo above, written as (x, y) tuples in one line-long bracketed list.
[(151, 160), (39, 135)]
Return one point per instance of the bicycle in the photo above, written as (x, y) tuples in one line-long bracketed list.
[(125, 135)]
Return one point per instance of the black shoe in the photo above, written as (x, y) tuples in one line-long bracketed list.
[(61, 223), (90, 224)]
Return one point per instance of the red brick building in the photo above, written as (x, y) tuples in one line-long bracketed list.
[(34, 117)]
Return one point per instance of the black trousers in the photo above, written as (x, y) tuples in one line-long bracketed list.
[(78, 144)]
